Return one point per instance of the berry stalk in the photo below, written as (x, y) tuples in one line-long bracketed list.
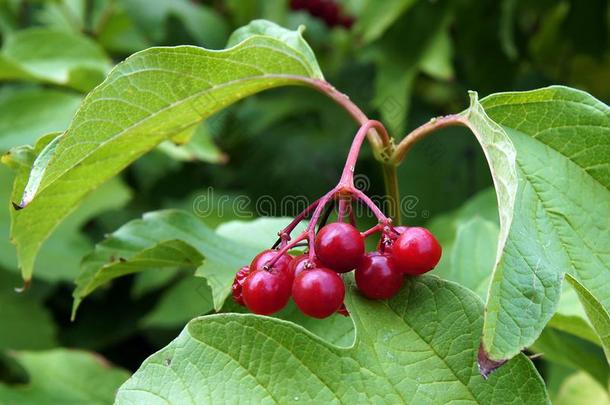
[(424, 130)]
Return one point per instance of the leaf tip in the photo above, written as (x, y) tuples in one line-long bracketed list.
[(17, 207), (75, 305), (25, 201), (473, 96), (487, 365), (26, 285)]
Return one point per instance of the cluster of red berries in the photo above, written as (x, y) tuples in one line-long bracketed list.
[(315, 282), (326, 10), (314, 279)]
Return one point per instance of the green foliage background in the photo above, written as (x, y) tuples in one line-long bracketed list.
[(403, 63)]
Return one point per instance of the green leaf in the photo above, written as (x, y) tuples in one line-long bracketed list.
[(293, 39), (151, 97), (61, 254), (469, 238), (596, 311), (437, 58), (260, 233), (473, 255), (164, 240), (203, 23), (571, 316), (25, 114), (419, 347), (198, 146), (547, 152), (336, 329), (410, 46), (374, 20), (188, 298), (64, 377), (581, 389), (53, 56), (573, 352), (26, 323)]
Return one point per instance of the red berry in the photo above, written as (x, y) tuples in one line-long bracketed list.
[(330, 13), (318, 292), (346, 22), (299, 263), (339, 246), (298, 4), (377, 277), (416, 251), (316, 7), (238, 284), (264, 257), (266, 292)]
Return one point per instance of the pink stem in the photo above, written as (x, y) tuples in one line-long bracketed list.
[(297, 220), (311, 229), (424, 130), (342, 208), (380, 141), (286, 248), (375, 229), (369, 203), (347, 178), (352, 216)]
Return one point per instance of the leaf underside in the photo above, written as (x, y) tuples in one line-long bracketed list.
[(419, 347), (551, 201)]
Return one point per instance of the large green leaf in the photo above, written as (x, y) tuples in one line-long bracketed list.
[(64, 377), (547, 150), (154, 95), (420, 347), (596, 312), (469, 238), (573, 352), (581, 389), (164, 240), (53, 56), (571, 316)]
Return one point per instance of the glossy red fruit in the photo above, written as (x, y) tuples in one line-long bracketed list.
[(416, 251), (238, 284), (339, 246), (318, 292), (377, 277), (264, 257), (401, 229), (299, 263), (266, 292)]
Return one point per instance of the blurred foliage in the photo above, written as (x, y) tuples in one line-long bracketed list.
[(403, 61)]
